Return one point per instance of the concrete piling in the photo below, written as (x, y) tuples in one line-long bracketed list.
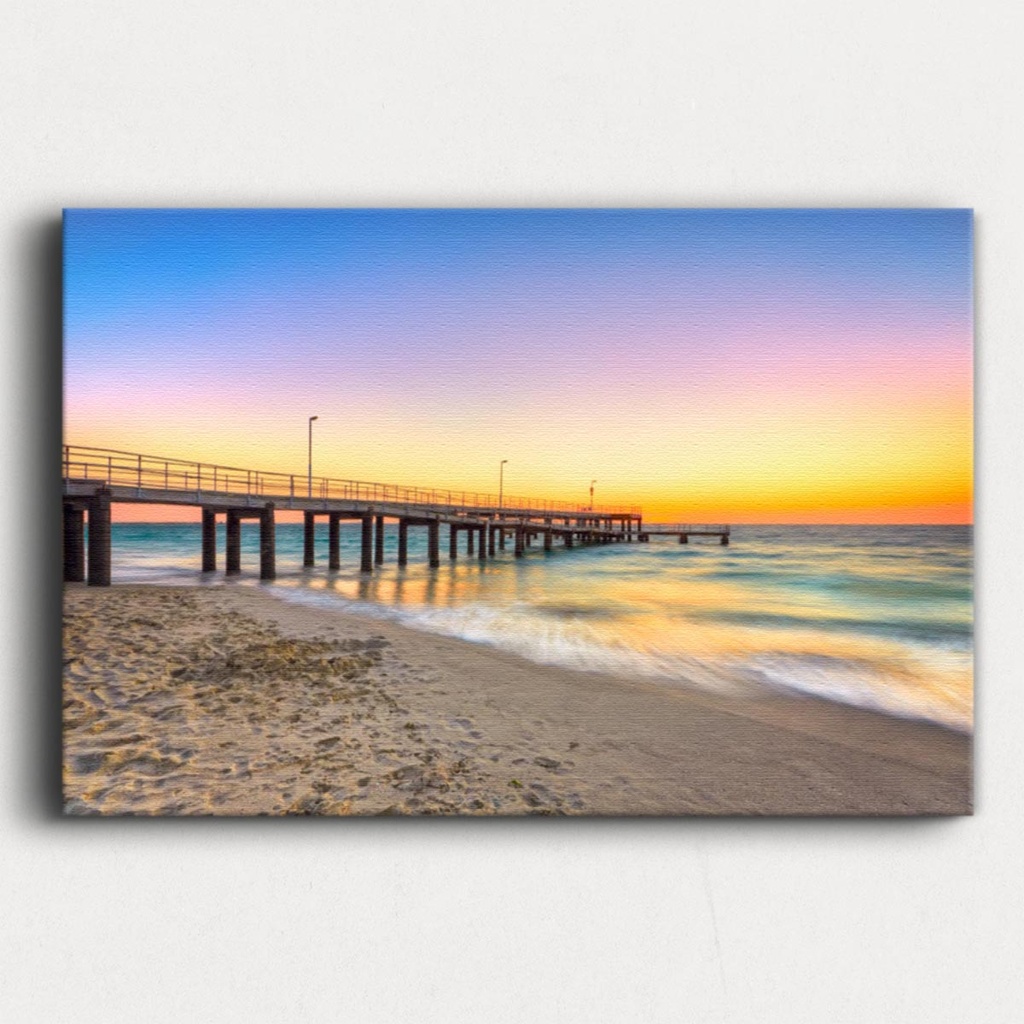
[(453, 541), (233, 553), (209, 540), (366, 560), (378, 542), (519, 550), (268, 568), (74, 543), (469, 540), (403, 541), (433, 537), (99, 538), (308, 538), (334, 543), (482, 546)]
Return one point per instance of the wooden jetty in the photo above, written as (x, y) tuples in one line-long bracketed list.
[(684, 531), (96, 478)]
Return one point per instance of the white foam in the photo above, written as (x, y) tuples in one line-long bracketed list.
[(576, 644), (862, 685)]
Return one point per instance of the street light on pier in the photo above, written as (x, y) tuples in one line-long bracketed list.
[(501, 483), (592, 482), (310, 482)]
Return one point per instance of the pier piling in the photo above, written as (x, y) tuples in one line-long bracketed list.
[(209, 540), (378, 542), (308, 535), (99, 539), (74, 543), (403, 541), (366, 560), (453, 541), (334, 543), (433, 536), (268, 568), (233, 554)]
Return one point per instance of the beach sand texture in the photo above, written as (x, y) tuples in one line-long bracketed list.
[(228, 701)]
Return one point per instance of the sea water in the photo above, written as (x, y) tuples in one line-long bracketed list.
[(880, 617)]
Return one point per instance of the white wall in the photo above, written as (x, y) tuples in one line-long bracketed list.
[(336, 103)]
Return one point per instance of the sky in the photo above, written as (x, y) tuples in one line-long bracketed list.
[(771, 366)]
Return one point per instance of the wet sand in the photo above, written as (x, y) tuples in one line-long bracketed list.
[(230, 701)]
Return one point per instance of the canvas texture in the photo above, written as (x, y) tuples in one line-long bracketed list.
[(518, 512)]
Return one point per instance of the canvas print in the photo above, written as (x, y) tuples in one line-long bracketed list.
[(517, 512)]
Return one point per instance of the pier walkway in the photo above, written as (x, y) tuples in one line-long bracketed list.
[(96, 478)]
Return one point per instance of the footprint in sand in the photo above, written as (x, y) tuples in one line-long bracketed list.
[(83, 764)]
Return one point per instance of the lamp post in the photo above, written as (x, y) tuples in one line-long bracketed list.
[(501, 482), (592, 482), (310, 480)]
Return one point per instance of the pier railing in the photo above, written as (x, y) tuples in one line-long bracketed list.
[(155, 473)]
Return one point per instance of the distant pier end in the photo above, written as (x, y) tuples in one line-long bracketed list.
[(684, 531)]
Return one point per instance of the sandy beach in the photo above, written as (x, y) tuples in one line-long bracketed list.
[(230, 701)]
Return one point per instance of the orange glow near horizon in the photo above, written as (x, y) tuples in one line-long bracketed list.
[(826, 461)]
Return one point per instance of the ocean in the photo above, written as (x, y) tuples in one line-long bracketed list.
[(878, 617)]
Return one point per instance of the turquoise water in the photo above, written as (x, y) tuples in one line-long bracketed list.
[(880, 617)]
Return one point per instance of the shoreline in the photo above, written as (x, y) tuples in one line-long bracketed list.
[(229, 700)]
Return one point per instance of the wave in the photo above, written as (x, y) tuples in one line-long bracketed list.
[(575, 644), (927, 630)]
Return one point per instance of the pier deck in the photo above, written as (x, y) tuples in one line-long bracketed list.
[(95, 478)]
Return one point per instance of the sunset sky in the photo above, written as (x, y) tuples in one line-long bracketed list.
[(744, 366)]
